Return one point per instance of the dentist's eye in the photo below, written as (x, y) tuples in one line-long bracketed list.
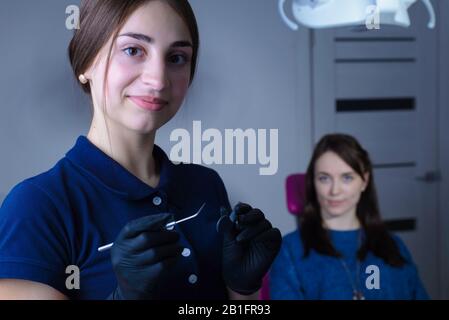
[(178, 59), (133, 51)]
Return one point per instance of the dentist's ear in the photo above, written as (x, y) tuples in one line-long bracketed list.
[(87, 74)]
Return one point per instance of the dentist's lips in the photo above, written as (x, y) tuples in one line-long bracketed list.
[(149, 103)]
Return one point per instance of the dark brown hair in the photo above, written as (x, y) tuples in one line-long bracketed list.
[(376, 236), (102, 19)]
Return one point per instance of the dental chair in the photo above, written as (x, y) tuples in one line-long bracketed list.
[(295, 188)]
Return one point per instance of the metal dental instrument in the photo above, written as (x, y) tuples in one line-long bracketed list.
[(168, 226)]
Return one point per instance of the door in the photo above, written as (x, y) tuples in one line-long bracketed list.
[(381, 87)]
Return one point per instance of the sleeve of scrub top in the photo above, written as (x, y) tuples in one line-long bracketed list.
[(283, 281), (32, 238)]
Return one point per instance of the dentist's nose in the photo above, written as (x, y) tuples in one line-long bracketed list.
[(155, 74)]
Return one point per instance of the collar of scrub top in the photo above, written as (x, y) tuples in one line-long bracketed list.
[(113, 176)]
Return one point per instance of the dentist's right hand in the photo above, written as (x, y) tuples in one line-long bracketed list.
[(143, 254)]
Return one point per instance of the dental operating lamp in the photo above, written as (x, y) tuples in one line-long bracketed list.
[(318, 14)]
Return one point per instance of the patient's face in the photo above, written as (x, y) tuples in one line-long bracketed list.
[(338, 186)]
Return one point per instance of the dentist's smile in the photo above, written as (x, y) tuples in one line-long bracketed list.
[(149, 102)]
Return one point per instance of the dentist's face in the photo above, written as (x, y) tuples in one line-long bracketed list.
[(149, 69), (337, 185)]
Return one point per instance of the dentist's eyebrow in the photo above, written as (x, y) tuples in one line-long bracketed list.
[(145, 38)]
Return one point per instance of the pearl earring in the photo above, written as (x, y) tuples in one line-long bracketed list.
[(82, 79)]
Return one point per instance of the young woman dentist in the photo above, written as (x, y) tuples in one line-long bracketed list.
[(136, 58)]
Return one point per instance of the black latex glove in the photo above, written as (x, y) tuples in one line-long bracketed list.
[(250, 245), (142, 256)]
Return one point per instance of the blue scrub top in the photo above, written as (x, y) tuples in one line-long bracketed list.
[(59, 218)]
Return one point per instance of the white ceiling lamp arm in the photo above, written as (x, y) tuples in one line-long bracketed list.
[(431, 10), (290, 23)]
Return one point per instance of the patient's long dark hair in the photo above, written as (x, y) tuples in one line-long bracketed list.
[(376, 236)]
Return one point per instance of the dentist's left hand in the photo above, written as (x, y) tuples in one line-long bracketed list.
[(250, 246)]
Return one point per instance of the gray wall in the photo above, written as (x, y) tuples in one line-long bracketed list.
[(253, 73), (444, 147), (41, 108)]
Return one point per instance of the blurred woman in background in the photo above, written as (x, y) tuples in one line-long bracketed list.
[(342, 249)]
